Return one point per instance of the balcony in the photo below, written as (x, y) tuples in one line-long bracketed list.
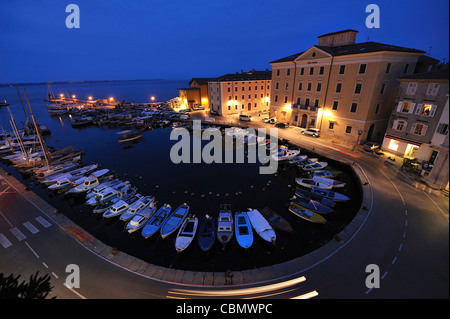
[(311, 108)]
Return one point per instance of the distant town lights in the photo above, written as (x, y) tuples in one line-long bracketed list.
[(74, 96), (111, 99), (152, 98), (90, 98)]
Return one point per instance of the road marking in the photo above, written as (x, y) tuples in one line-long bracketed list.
[(31, 227), (400, 248), (384, 275), (17, 233), (4, 241), (74, 291), (56, 276), (43, 222), (37, 256), (369, 290), (9, 223), (398, 191), (395, 259), (3, 192), (45, 265)]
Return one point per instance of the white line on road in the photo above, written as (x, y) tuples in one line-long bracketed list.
[(45, 265), (10, 225), (74, 291), (31, 227), (384, 275), (56, 276), (17, 233), (395, 259), (43, 222), (37, 256), (4, 241), (400, 248)]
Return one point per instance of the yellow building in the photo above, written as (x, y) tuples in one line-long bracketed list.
[(245, 92), (196, 96), (345, 89)]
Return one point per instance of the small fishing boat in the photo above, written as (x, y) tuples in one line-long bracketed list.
[(327, 173), (97, 189), (207, 233), (285, 154), (310, 183), (119, 207), (306, 194), (332, 182), (174, 221), (314, 166), (156, 220), (298, 158), (312, 205), (139, 220), (137, 206), (276, 220), (261, 226), (307, 214), (306, 161), (129, 136), (225, 225), (186, 233), (243, 230), (330, 194)]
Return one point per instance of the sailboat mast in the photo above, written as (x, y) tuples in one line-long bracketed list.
[(44, 147), (17, 133)]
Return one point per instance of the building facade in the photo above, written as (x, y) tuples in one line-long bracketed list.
[(418, 126), (244, 92), (343, 88), (196, 96)]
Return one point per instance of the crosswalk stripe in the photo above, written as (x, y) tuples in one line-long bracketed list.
[(31, 227), (4, 241), (17, 233), (43, 222)]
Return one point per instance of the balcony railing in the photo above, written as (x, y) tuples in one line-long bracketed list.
[(306, 107)]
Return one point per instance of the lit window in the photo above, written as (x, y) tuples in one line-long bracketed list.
[(393, 145)]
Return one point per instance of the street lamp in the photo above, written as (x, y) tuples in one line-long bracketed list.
[(152, 98)]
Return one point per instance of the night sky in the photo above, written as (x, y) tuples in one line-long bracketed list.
[(168, 39)]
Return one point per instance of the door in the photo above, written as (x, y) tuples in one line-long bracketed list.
[(249, 107), (370, 133), (304, 121)]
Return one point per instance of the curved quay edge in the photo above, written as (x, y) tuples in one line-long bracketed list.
[(261, 275)]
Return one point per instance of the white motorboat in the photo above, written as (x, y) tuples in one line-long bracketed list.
[(102, 208), (102, 196), (60, 183), (310, 183), (140, 219), (261, 226), (186, 233), (334, 183), (285, 154), (116, 209), (137, 206), (97, 189)]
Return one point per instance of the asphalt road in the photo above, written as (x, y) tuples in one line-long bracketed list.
[(405, 235)]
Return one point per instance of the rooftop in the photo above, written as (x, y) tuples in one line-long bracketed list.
[(354, 48), (440, 74), (245, 76)]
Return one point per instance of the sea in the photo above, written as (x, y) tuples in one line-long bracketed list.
[(147, 165)]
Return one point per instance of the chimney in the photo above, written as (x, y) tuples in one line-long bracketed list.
[(338, 38)]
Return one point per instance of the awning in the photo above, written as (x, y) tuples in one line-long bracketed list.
[(403, 140)]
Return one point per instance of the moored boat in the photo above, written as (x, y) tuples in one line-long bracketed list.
[(310, 183), (139, 219), (225, 225), (138, 205), (156, 220), (312, 205), (330, 194), (261, 226), (186, 233), (327, 173), (314, 166), (243, 230), (307, 194), (332, 182), (206, 233), (276, 220), (307, 214), (174, 221)]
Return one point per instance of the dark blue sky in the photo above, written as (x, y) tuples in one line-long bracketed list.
[(121, 40)]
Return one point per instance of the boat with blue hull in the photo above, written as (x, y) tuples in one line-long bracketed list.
[(207, 233), (243, 230), (155, 222), (174, 221)]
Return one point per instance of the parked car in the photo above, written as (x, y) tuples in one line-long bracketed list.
[(312, 132), (245, 117), (282, 125), (371, 146), (273, 120), (266, 120)]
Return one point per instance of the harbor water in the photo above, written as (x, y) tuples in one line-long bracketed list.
[(146, 164)]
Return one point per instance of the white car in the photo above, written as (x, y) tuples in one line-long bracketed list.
[(312, 132), (273, 120), (266, 120), (371, 146)]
